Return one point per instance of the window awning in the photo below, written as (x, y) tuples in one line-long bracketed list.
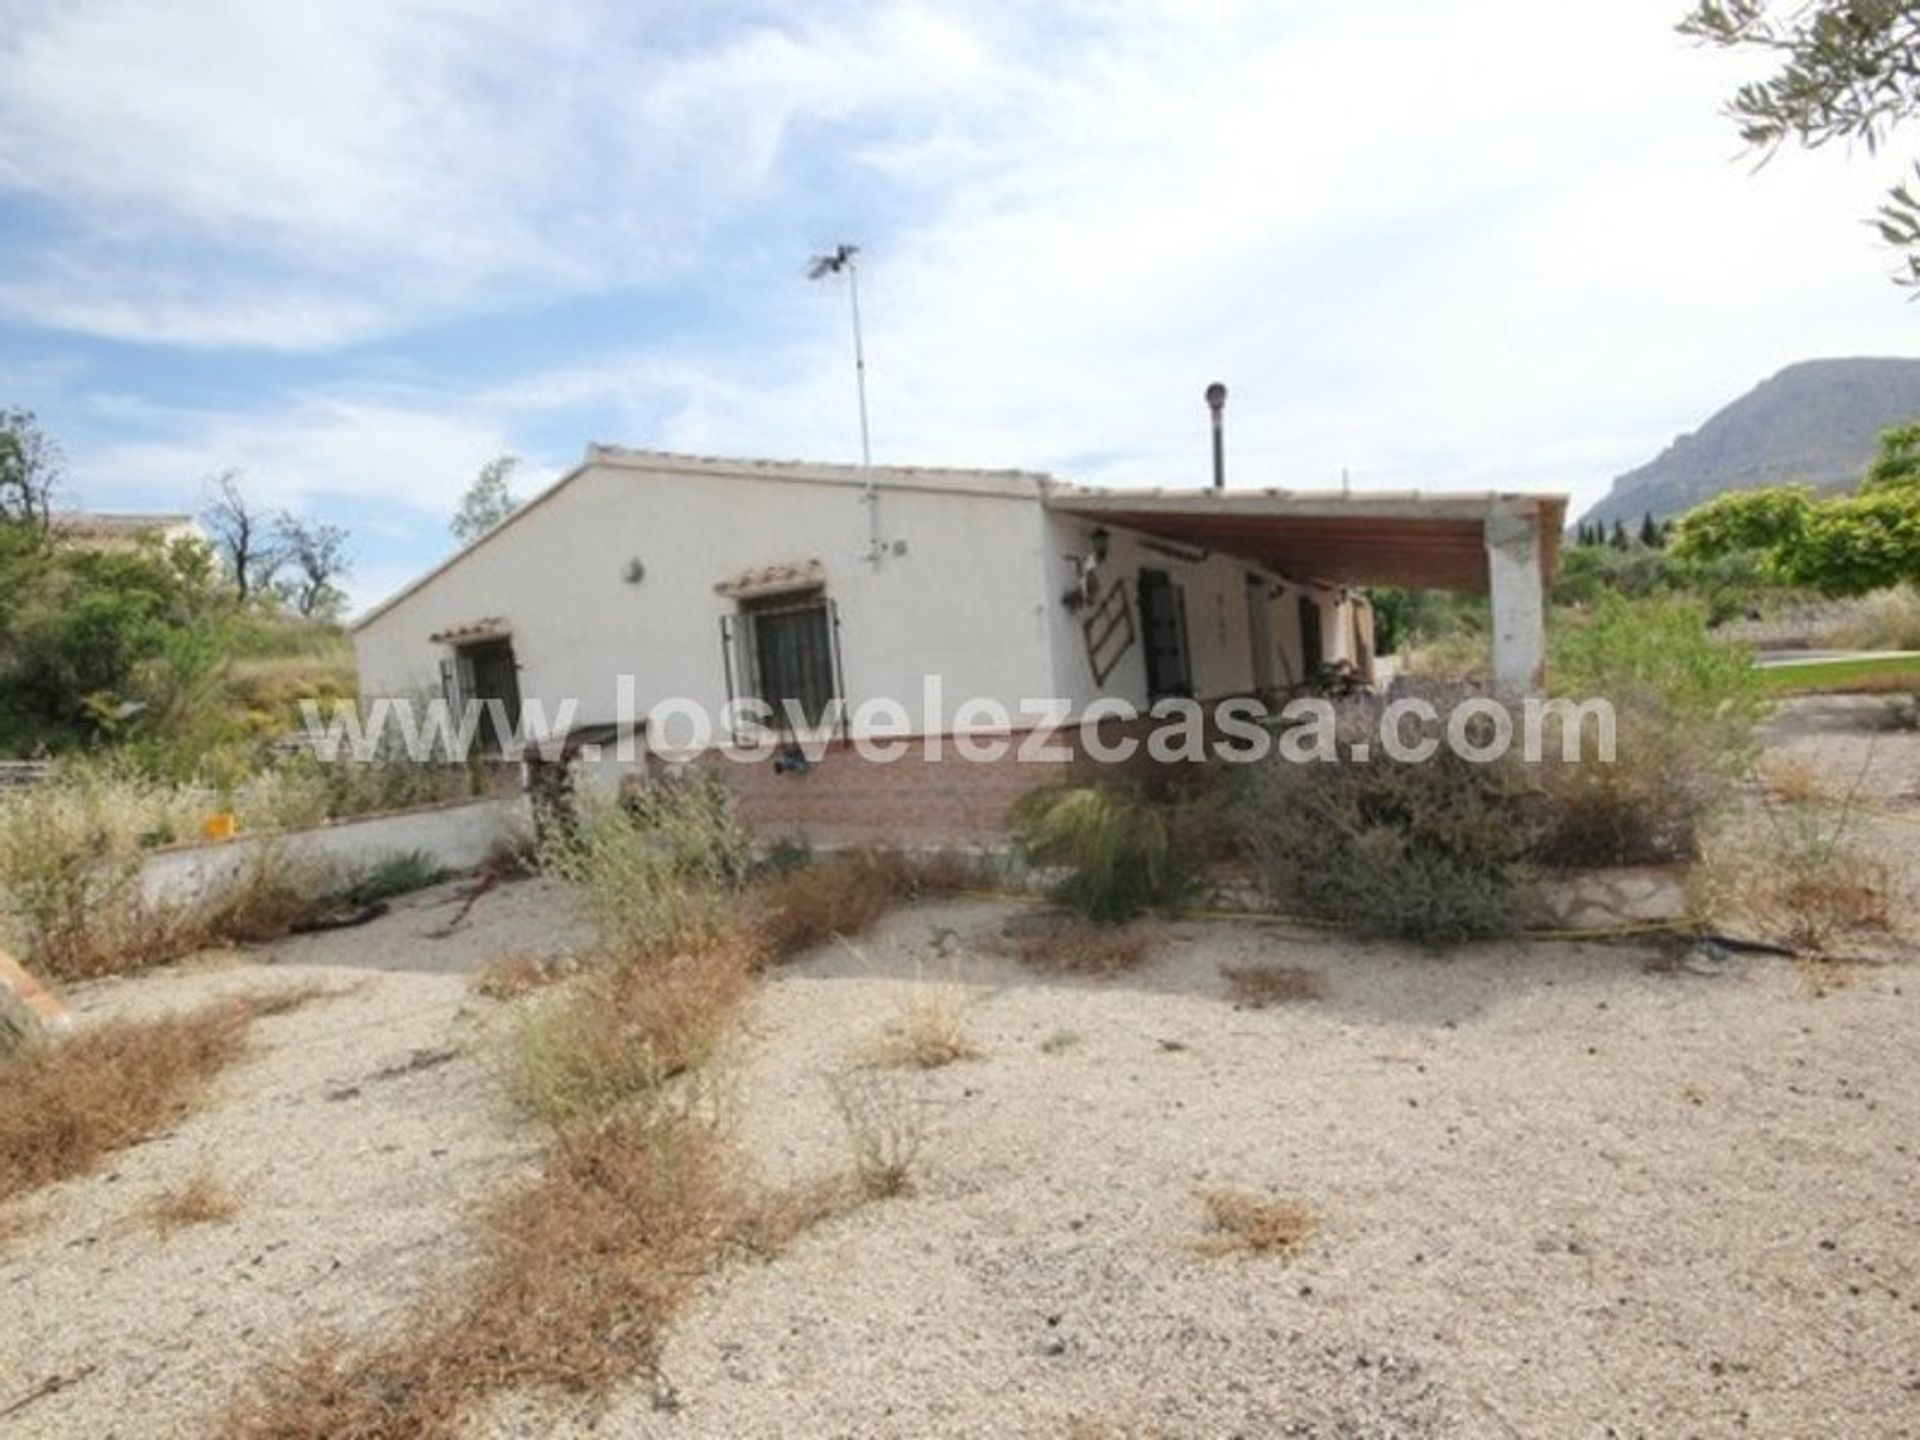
[(773, 580), (471, 632), (1433, 542)]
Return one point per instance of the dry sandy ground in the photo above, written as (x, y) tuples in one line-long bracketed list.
[(1560, 1194), (351, 1183)]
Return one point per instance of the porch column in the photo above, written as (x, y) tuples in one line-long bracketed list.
[(1519, 600)]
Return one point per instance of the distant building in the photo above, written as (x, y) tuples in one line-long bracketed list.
[(106, 532)]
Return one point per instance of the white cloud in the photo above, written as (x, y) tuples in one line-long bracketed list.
[(1492, 243)]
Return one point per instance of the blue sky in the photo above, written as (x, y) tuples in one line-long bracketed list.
[(357, 247)]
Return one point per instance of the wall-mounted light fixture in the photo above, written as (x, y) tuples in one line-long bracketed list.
[(1101, 539)]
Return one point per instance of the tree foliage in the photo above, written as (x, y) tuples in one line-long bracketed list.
[(488, 501), (1848, 70), (1849, 545), (1765, 520)]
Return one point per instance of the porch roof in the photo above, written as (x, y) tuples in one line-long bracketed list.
[(1405, 538)]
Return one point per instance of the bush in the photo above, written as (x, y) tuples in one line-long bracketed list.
[(1685, 707), (655, 873), (1435, 851), (1646, 807), (1659, 652), (1117, 846)]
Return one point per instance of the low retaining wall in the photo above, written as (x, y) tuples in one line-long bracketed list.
[(457, 837), (1610, 899)]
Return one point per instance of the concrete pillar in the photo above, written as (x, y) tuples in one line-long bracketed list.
[(1519, 600)]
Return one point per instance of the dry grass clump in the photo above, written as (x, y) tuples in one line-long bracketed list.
[(65, 1105), (1255, 986), (886, 1129), (579, 1271), (508, 977), (1813, 904), (930, 1032), (199, 1200), (1790, 779), (800, 909), (621, 1032), (1244, 1222), (1075, 947)]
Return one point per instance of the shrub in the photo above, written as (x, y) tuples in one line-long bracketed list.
[(653, 874), (1659, 653), (1117, 847), (1434, 851), (1685, 706), (618, 1033), (1646, 807)]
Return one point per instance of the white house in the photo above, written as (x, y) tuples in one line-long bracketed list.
[(904, 593)]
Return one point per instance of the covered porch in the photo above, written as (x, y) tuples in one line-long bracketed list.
[(1500, 544)]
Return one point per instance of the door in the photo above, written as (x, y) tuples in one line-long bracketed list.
[(495, 677), (1260, 634), (1163, 625), (1313, 653)]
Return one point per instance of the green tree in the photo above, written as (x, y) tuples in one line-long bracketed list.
[(1859, 544), (488, 500), (1898, 463), (1848, 70), (1765, 520), (1650, 535)]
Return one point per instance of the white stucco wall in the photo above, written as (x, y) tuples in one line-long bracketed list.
[(965, 599), (975, 596)]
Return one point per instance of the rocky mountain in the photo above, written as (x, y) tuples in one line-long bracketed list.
[(1816, 423)]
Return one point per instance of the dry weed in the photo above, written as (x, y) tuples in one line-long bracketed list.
[(1790, 779), (65, 1104), (1255, 986), (1061, 946), (508, 977), (200, 1200), (929, 1032), (620, 1032), (798, 910), (1244, 1222), (886, 1129)]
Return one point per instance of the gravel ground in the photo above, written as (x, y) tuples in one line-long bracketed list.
[(1562, 1190), (352, 1185), (1560, 1194)]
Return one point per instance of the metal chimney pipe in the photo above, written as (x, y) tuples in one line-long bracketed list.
[(1217, 402)]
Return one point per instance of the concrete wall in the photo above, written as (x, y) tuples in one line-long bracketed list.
[(458, 836)]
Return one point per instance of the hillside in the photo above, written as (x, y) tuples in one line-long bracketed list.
[(1816, 423)]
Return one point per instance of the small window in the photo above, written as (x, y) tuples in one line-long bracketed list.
[(1163, 623), (788, 649)]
